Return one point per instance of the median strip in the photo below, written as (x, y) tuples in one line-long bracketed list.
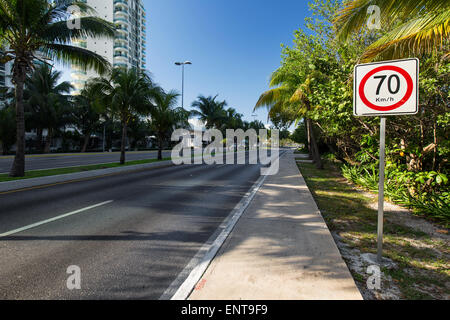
[(51, 180), (67, 170)]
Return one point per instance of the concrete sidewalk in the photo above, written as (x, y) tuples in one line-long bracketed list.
[(281, 249)]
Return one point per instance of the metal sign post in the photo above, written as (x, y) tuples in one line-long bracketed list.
[(381, 188), (381, 89)]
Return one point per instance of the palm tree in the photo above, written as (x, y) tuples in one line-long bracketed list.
[(37, 30), (289, 99), (138, 131), (128, 93), (233, 119), (421, 26), (86, 113), (255, 124), (210, 111), (165, 117), (47, 102)]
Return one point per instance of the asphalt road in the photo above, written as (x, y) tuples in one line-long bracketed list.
[(130, 248), (52, 161)]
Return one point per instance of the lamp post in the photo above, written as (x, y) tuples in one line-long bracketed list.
[(182, 64)]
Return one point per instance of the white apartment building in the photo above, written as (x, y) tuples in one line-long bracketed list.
[(5, 79), (6, 75), (127, 49)]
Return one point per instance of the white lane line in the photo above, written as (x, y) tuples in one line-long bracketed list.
[(179, 289), (183, 285), (37, 224)]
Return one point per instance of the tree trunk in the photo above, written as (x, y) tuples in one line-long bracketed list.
[(335, 151), (435, 146), (48, 141), (308, 135), (18, 167), (39, 140), (124, 141), (87, 137), (314, 147), (421, 146), (160, 148)]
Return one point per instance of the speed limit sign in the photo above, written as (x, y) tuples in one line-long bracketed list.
[(387, 88), (383, 89)]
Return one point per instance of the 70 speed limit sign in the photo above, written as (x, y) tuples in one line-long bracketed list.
[(387, 88), (383, 89)]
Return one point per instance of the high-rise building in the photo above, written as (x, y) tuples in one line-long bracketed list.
[(5, 81), (6, 75), (127, 49)]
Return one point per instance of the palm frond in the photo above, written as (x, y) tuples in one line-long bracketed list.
[(271, 97), (417, 36), (353, 15), (67, 54), (90, 27)]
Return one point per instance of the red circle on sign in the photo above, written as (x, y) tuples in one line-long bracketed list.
[(408, 94)]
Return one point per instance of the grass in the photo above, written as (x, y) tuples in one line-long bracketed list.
[(301, 151), (58, 171), (423, 266)]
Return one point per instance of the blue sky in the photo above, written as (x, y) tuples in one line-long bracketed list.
[(234, 46)]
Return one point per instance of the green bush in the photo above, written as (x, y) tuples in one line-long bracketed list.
[(427, 193)]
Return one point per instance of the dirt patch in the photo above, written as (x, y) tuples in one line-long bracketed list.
[(359, 266), (399, 215)]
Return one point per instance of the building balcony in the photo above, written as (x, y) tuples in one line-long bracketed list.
[(120, 46), (124, 31), (119, 2), (120, 65), (121, 56), (120, 19), (120, 9), (121, 37)]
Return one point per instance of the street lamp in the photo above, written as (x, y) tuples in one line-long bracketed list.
[(182, 64)]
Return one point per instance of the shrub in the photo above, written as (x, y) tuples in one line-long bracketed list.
[(427, 193)]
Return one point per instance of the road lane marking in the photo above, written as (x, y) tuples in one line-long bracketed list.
[(37, 224), (182, 287)]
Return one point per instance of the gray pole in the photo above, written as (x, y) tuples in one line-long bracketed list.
[(182, 88), (182, 64), (381, 189)]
